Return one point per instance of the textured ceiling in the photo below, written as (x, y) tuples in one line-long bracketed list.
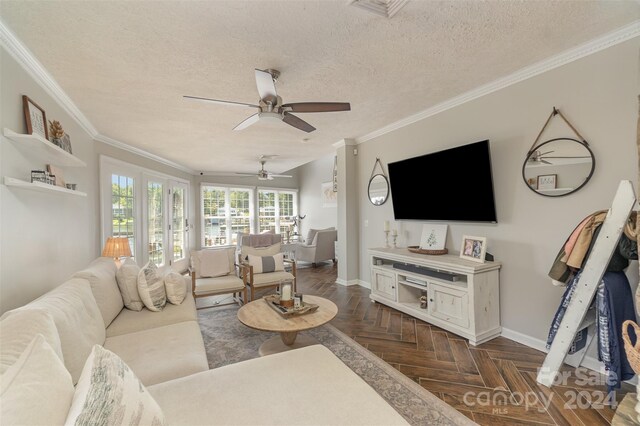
[(126, 65)]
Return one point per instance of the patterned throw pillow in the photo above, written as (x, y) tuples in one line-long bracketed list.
[(151, 287), (175, 287), (109, 393), (263, 264)]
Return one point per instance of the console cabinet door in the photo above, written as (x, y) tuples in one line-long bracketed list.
[(449, 305), (383, 283)]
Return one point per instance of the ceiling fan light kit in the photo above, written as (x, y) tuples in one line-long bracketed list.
[(271, 108)]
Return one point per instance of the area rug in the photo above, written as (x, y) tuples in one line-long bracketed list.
[(228, 341)]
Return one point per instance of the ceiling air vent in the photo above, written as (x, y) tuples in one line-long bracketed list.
[(386, 8)]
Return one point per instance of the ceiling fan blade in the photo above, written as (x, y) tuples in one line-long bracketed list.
[(297, 122), (318, 106), (282, 176), (544, 153), (247, 122), (219, 101), (266, 86), (545, 161)]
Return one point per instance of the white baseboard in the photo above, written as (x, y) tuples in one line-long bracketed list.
[(364, 284), (340, 281), (588, 362)]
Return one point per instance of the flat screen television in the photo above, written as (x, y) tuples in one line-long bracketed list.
[(451, 185)]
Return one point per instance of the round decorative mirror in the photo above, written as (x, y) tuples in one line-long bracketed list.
[(378, 189), (558, 167)]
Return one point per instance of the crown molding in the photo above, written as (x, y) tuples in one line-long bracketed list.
[(39, 73), (611, 39), (142, 153), (344, 142), (10, 42)]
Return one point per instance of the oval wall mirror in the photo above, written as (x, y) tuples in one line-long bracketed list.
[(558, 167), (378, 189)]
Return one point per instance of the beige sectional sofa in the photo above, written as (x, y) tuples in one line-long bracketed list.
[(165, 350)]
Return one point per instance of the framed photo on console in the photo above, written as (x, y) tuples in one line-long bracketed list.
[(473, 248), (434, 236)]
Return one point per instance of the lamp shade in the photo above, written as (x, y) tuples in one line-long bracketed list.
[(117, 247)]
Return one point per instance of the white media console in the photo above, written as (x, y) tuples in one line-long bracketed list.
[(463, 297)]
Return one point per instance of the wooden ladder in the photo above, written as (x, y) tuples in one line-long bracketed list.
[(575, 317)]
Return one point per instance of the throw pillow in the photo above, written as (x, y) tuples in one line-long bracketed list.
[(175, 287), (261, 251), (151, 287), (109, 393), (214, 263), (37, 389), (263, 264), (127, 278), (17, 330), (101, 274)]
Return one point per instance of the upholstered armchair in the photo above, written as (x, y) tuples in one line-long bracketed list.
[(265, 266), (214, 272), (319, 248)]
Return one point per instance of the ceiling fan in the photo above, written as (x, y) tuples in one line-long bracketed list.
[(271, 108), (262, 173)]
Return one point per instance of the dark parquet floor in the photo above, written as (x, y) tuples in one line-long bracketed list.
[(493, 383)]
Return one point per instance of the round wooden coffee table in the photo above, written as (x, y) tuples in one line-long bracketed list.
[(260, 316)]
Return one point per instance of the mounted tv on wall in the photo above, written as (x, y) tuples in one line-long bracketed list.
[(451, 185)]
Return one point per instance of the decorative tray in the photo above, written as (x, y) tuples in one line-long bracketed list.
[(273, 300), (417, 249)]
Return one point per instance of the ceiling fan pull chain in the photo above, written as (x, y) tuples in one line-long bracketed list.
[(553, 114)]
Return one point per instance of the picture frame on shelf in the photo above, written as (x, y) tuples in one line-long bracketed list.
[(35, 118), (547, 182), (473, 248), (434, 236)]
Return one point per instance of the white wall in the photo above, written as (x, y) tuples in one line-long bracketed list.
[(311, 176), (44, 238), (598, 94)]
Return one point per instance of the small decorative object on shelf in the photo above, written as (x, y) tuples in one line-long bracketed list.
[(57, 172), (35, 118), (386, 233), (66, 143), (423, 302), (56, 132), (286, 291), (433, 237), (71, 186), (394, 234), (416, 249), (38, 176)]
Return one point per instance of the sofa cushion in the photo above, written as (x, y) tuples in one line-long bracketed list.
[(17, 330), (151, 287), (131, 321), (37, 389), (163, 353), (214, 263), (264, 264), (261, 280), (77, 318), (324, 394), (101, 273), (174, 287), (109, 393), (229, 283), (127, 278)]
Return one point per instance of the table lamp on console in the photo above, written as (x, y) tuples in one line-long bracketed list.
[(117, 247)]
